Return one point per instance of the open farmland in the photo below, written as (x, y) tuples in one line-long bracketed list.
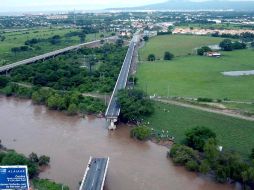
[(196, 76), (179, 45)]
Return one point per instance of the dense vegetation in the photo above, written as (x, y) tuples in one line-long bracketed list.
[(75, 70), (10, 157), (45, 184), (201, 154), (134, 105), (33, 162), (60, 82)]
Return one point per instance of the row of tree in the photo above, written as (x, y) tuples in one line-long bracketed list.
[(167, 56), (228, 45), (245, 36)]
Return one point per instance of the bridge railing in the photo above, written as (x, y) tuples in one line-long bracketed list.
[(118, 86)]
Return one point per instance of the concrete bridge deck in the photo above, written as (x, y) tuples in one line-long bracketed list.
[(95, 174), (113, 110), (50, 54)]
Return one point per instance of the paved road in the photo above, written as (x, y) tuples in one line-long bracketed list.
[(48, 55), (95, 176), (113, 109)]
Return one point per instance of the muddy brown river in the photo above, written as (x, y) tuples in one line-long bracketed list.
[(70, 141)]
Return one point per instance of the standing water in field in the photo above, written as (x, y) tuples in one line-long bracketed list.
[(70, 141), (238, 73)]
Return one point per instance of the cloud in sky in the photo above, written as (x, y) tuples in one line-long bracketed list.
[(44, 5), (19, 5)]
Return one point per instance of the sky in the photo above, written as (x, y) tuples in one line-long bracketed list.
[(43, 5), (48, 5)]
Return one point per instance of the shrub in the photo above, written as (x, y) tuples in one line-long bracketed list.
[(197, 137), (181, 154), (141, 133), (205, 99), (33, 157), (134, 105), (168, 56), (3, 81), (72, 109), (192, 165), (226, 45), (43, 160), (151, 57), (204, 167), (44, 184)]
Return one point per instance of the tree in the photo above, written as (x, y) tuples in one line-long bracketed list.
[(82, 108), (226, 45), (151, 57), (33, 157), (239, 45), (210, 150), (3, 81), (252, 154), (181, 154), (91, 60), (248, 176), (146, 38), (82, 37), (170, 29), (203, 50), (72, 109), (119, 42), (15, 50), (44, 160), (13, 158), (141, 133), (252, 44), (204, 167), (55, 40), (134, 105), (168, 56), (192, 165), (197, 137)]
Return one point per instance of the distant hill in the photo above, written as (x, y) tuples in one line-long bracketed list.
[(190, 5)]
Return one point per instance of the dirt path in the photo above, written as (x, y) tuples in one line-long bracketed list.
[(217, 111)]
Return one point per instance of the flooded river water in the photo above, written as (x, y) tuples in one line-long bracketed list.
[(70, 141)]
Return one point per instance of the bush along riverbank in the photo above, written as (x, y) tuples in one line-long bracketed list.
[(34, 163), (200, 152), (72, 103)]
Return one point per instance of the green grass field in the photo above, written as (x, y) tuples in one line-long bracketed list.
[(179, 45), (232, 133), (196, 76), (16, 39)]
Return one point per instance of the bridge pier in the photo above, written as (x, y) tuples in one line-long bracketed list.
[(112, 125)]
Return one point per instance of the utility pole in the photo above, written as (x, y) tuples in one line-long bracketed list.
[(168, 91), (105, 98), (74, 18)]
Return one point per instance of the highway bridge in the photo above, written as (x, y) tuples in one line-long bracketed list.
[(51, 54), (95, 174), (113, 110)]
